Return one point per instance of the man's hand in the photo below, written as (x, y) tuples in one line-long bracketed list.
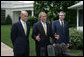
[(56, 36), (38, 37), (67, 45), (54, 45)]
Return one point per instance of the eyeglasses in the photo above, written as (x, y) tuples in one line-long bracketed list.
[(25, 16), (61, 15)]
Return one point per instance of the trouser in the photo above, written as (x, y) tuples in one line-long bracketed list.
[(41, 51), (61, 50), (22, 53), (50, 50)]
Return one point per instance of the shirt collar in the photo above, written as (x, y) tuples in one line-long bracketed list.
[(61, 21), (22, 21), (42, 22)]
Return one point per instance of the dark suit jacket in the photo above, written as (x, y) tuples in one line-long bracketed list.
[(38, 29), (62, 32), (19, 39)]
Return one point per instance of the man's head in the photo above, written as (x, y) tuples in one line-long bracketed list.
[(24, 15), (43, 16), (61, 15)]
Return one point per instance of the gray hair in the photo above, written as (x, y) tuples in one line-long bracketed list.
[(22, 12), (62, 12), (41, 14)]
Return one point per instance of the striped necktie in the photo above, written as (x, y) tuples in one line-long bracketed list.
[(44, 28)]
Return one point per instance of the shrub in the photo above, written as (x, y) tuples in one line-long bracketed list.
[(32, 20), (76, 39), (3, 21), (8, 20)]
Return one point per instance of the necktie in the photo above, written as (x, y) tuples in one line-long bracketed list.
[(44, 28), (62, 24), (25, 28)]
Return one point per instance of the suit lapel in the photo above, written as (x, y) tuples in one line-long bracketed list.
[(59, 23), (60, 27), (64, 24), (27, 27), (22, 27), (47, 28), (41, 26)]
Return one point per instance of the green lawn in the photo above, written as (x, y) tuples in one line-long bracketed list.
[(5, 35), (5, 38)]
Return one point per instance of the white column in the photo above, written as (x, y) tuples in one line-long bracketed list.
[(77, 19), (16, 15), (9, 12), (32, 12)]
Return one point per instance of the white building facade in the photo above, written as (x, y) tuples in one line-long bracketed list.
[(79, 8), (14, 8)]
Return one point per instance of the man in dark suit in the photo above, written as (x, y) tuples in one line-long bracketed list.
[(20, 36), (41, 33), (60, 30)]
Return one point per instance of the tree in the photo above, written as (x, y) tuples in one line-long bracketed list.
[(8, 20), (53, 7)]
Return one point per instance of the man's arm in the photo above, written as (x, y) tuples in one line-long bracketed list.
[(53, 32), (67, 35), (34, 32), (13, 33)]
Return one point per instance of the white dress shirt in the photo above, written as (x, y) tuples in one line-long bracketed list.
[(23, 24), (61, 22), (45, 25)]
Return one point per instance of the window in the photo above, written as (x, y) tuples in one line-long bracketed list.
[(2, 16), (80, 17)]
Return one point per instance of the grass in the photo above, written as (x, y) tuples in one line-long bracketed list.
[(5, 35), (5, 38), (76, 52)]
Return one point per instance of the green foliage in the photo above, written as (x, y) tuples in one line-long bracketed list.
[(49, 16), (53, 7), (8, 20), (32, 20), (76, 39), (29, 12)]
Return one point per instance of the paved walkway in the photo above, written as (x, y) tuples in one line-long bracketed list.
[(6, 50)]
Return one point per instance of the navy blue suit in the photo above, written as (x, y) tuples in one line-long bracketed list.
[(45, 40), (20, 40), (62, 32)]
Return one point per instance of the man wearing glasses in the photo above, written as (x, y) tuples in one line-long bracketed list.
[(60, 30)]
